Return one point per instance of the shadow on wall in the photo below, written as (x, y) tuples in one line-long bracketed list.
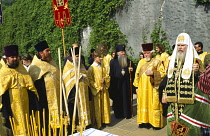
[(205, 5)]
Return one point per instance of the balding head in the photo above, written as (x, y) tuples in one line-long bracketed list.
[(75, 45)]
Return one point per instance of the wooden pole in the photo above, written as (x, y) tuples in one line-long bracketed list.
[(64, 46), (59, 59), (131, 92), (65, 100), (77, 81), (80, 98), (75, 101)]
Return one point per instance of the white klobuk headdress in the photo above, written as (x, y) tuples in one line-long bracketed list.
[(191, 53)]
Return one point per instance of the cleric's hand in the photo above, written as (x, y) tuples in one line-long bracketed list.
[(130, 69)]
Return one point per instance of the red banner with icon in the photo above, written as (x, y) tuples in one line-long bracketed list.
[(61, 13)]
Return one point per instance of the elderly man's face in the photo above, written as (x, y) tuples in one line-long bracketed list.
[(181, 51), (147, 55), (121, 53), (181, 48)]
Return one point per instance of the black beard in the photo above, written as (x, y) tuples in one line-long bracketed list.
[(14, 65)]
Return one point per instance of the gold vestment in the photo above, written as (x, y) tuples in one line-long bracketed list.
[(17, 81), (202, 56), (165, 59), (149, 108), (100, 98), (83, 96), (50, 72)]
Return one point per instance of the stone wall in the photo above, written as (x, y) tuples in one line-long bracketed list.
[(139, 16)]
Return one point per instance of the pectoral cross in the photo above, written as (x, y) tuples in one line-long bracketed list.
[(123, 72)]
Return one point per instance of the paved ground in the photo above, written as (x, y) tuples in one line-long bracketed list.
[(129, 127)]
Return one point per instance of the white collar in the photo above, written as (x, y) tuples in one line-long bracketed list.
[(96, 64)]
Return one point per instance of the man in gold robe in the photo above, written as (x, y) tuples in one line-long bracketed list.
[(162, 55), (199, 48), (149, 73), (14, 85), (99, 84), (69, 79), (102, 49), (46, 77)]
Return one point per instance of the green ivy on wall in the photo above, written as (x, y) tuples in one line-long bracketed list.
[(158, 36), (97, 14), (202, 1), (34, 22), (27, 22)]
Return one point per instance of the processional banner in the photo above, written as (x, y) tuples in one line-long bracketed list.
[(61, 13)]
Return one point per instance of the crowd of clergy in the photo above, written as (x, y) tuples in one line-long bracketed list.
[(38, 97)]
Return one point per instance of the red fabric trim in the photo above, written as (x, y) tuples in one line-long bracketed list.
[(202, 99), (169, 115), (194, 122)]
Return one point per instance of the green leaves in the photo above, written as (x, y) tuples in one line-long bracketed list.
[(97, 14), (202, 1), (27, 22), (158, 36)]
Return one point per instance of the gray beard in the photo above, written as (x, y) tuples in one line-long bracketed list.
[(181, 56), (77, 63), (123, 61), (147, 59)]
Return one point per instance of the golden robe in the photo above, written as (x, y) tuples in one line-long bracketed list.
[(149, 108), (17, 81), (202, 56), (100, 98), (106, 63), (165, 59), (50, 72), (83, 96)]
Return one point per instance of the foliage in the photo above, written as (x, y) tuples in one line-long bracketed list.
[(8, 2), (96, 14), (158, 36), (27, 22), (202, 1)]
